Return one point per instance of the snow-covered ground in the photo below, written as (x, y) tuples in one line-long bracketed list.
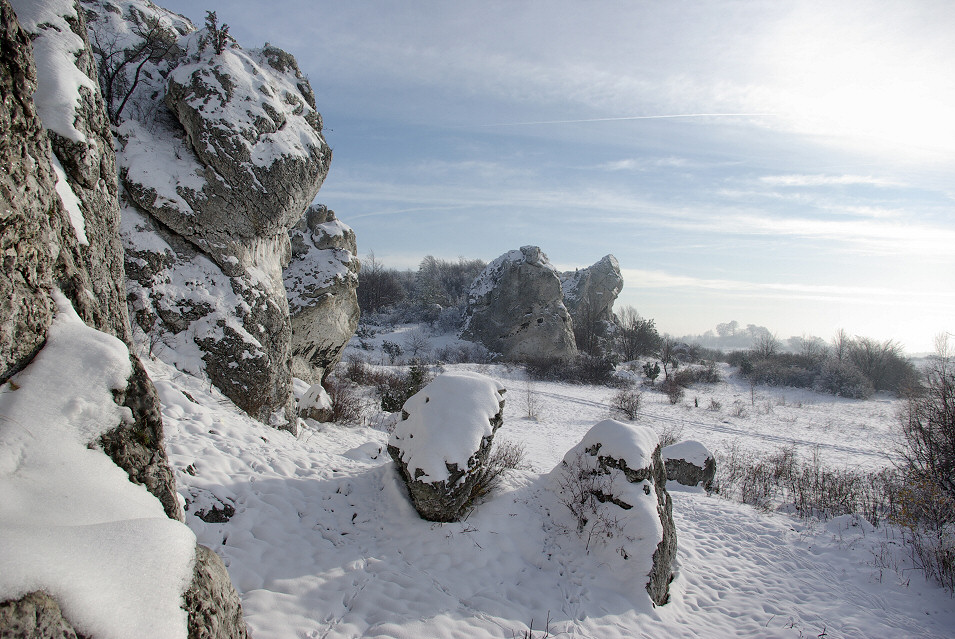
[(324, 542)]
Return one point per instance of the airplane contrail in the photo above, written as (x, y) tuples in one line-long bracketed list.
[(634, 117)]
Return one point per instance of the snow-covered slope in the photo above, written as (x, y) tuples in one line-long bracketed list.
[(324, 542)]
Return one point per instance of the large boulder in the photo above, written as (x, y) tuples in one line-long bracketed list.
[(515, 308), (442, 443), (614, 483), (321, 282), (690, 463), (220, 154), (589, 293)]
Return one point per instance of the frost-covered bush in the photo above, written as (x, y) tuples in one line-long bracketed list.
[(626, 402), (843, 379), (672, 390), (583, 369), (394, 389)]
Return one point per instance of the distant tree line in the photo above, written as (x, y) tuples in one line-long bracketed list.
[(848, 366), (437, 292)]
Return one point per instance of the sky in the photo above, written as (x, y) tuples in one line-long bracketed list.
[(785, 164)]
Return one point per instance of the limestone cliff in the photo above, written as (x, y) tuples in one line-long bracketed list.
[(515, 308), (322, 286), (221, 151), (62, 253)]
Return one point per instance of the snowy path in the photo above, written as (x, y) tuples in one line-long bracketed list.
[(324, 543)]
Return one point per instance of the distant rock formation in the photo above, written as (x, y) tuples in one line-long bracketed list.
[(442, 443), (220, 153), (515, 308), (589, 293), (614, 479), (58, 202), (321, 282)]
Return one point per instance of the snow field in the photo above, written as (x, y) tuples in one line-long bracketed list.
[(324, 542)]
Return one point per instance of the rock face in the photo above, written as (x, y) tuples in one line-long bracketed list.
[(58, 202), (589, 293), (690, 463), (321, 282), (35, 616), (515, 308), (442, 443), (614, 480), (215, 611), (220, 153)]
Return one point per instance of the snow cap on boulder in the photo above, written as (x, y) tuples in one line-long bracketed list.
[(616, 471), (443, 440), (689, 463)]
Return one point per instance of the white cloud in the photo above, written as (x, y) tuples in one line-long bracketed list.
[(825, 180)]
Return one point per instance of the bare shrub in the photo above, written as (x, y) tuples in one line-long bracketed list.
[(626, 402), (532, 401), (670, 434), (583, 369), (347, 402), (505, 455), (584, 489), (395, 389), (672, 390), (715, 406)]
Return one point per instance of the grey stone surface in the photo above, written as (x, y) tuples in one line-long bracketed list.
[(321, 282), (449, 499), (36, 615), (599, 463), (41, 253), (214, 608), (219, 156), (689, 463), (589, 293), (515, 308), (36, 241)]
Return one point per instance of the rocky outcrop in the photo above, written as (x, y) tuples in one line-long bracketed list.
[(36, 615), (215, 611), (442, 443), (515, 308), (321, 282), (615, 480), (589, 293), (690, 463), (59, 234), (220, 153)]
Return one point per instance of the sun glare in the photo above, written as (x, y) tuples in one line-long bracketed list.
[(852, 77)]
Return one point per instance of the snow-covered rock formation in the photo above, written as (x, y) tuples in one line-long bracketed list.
[(442, 442), (589, 293), (221, 151), (690, 463), (614, 483), (321, 282), (515, 308), (88, 492)]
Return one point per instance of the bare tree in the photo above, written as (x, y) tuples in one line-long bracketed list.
[(667, 355), (635, 335), (156, 41), (766, 345), (841, 343)]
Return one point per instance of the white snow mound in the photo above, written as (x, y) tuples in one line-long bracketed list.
[(447, 420)]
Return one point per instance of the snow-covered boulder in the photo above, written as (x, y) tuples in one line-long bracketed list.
[(220, 153), (690, 463), (441, 445), (589, 293), (515, 308), (321, 282), (315, 404), (614, 484)]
